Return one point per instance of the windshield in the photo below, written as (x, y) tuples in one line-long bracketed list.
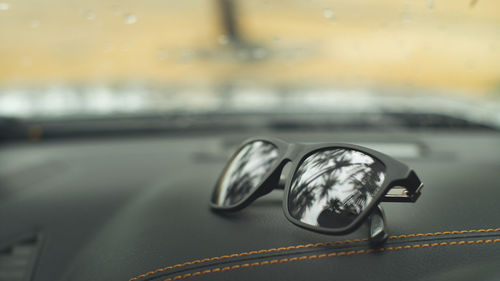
[(64, 58)]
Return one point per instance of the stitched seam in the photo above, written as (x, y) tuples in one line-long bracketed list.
[(309, 246), (333, 254)]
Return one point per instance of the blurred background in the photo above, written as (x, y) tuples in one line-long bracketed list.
[(81, 58)]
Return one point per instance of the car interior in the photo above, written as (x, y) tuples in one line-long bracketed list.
[(121, 120)]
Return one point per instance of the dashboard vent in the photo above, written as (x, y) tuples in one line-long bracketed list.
[(18, 258)]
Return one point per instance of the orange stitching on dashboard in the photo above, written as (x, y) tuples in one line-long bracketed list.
[(337, 254), (247, 254), (308, 246)]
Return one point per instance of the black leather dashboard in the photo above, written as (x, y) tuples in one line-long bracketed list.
[(138, 209)]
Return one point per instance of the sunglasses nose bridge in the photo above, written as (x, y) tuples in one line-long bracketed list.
[(292, 151)]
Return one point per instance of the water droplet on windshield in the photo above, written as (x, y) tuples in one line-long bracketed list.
[(243, 54), (25, 62), (130, 18), (90, 15), (470, 64), (327, 13), (108, 47), (223, 40), (35, 24), (162, 54), (125, 46), (4, 6), (430, 4), (186, 56), (116, 10), (259, 53), (405, 16)]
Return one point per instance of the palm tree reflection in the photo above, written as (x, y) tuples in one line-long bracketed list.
[(332, 187), (245, 172)]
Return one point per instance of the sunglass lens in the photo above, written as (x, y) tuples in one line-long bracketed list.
[(245, 172), (332, 187)]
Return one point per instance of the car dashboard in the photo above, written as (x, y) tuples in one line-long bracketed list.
[(137, 208)]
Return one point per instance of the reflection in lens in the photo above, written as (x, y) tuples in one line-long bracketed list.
[(245, 172), (332, 187)]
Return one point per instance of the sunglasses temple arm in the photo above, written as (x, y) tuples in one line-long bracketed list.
[(406, 191), (377, 226), (281, 184)]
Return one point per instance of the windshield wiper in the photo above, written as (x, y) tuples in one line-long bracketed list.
[(184, 123)]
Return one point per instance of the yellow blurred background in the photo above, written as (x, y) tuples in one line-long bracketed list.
[(450, 45)]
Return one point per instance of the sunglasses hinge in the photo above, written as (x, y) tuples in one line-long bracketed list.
[(401, 194)]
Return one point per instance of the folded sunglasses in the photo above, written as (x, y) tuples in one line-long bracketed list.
[(332, 188)]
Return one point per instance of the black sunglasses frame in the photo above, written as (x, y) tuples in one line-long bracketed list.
[(401, 184)]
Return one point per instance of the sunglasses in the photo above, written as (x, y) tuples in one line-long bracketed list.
[(332, 188)]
